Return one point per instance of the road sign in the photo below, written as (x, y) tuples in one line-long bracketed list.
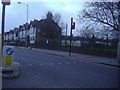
[(8, 61), (6, 2), (9, 51), (7, 58)]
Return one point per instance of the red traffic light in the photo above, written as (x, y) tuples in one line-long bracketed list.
[(73, 25)]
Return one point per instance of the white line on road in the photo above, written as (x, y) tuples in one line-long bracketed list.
[(74, 62), (59, 63), (66, 62), (50, 63), (30, 64), (22, 57), (38, 73), (41, 64)]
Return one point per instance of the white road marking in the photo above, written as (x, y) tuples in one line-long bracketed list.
[(22, 57), (38, 73), (50, 63), (59, 63), (66, 62), (74, 62), (30, 64)]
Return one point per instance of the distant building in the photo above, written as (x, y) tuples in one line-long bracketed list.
[(44, 28), (6, 36), (47, 28)]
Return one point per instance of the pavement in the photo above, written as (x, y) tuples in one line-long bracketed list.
[(87, 58)]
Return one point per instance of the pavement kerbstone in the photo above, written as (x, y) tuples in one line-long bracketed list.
[(10, 72)]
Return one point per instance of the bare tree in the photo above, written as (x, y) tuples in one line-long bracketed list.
[(101, 14), (58, 19)]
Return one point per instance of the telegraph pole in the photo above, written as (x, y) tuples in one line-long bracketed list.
[(66, 36), (66, 29)]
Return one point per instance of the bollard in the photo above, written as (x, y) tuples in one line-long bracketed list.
[(8, 55), (9, 68)]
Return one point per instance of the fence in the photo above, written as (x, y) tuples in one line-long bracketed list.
[(86, 46), (102, 48)]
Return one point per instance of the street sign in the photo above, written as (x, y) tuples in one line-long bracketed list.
[(6, 2), (9, 51), (7, 58)]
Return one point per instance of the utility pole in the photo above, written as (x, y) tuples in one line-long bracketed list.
[(66, 36), (66, 29)]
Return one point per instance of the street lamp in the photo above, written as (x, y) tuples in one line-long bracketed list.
[(27, 8), (26, 22)]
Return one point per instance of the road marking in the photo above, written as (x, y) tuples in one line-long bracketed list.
[(59, 63), (74, 62), (38, 73), (30, 64), (50, 63), (41, 64), (22, 57), (66, 62)]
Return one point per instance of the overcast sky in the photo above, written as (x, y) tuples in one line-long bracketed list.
[(16, 13)]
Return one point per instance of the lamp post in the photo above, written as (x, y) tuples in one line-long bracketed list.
[(26, 22)]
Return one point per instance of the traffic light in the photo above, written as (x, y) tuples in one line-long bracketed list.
[(73, 25), (6, 2)]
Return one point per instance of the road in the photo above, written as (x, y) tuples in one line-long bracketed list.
[(40, 70)]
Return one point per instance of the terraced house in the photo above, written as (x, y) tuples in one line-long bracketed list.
[(37, 30)]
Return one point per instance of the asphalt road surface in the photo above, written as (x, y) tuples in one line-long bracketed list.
[(40, 70)]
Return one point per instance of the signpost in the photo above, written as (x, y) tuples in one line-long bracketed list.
[(7, 56), (7, 51), (4, 2)]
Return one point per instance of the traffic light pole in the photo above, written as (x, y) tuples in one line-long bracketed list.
[(70, 38)]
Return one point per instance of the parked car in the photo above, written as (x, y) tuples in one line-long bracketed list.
[(12, 43)]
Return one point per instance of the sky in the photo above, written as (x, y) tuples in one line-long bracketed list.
[(16, 14)]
